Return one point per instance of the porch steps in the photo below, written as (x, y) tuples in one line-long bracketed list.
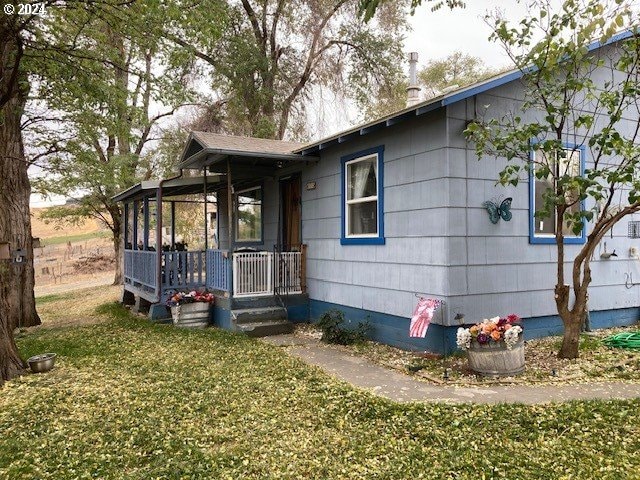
[(261, 321)]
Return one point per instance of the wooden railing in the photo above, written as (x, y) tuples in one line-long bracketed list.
[(183, 270), (218, 270), (141, 268)]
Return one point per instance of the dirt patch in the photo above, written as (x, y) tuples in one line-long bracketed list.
[(94, 263)]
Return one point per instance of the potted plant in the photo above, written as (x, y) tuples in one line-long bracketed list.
[(191, 309), (495, 346)]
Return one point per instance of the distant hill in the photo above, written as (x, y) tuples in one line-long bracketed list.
[(43, 230)]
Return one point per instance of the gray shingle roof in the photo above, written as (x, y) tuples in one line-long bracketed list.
[(245, 144)]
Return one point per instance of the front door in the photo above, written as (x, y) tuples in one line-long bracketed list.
[(290, 189)]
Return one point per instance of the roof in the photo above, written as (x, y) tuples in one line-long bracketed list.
[(209, 149), (244, 144), (432, 104), (170, 187)]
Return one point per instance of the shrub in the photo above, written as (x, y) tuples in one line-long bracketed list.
[(333, 332)]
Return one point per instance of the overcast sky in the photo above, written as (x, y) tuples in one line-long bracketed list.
[(437, 34)]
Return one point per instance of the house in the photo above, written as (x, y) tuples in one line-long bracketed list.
[(368, 219)]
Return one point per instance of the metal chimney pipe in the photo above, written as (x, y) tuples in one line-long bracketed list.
[(413, 90)]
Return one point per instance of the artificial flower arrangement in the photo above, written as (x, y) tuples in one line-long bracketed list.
[(492, 330), (180, 298)]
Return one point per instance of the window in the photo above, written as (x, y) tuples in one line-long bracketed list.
[(542, 229), (362, 219), (249, 215)]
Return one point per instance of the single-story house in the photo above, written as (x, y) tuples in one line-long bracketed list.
[(367, 220)]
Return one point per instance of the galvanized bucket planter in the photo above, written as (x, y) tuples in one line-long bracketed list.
[(494, 359), (191, 315)]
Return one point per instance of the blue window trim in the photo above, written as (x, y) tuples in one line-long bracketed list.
[(249, 243), (379, 240), (533, 239)]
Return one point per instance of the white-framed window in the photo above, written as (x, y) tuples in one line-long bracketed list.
[(568, 161), (249, 215), (363, 197), (361, 187)]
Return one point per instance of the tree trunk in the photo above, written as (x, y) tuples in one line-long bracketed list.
[(571, 337), (11, 365), (117, 247), (17, 301)]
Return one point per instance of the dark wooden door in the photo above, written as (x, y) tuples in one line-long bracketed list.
[(290, 190)]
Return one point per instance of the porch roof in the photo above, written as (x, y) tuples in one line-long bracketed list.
[(170, 187), (204, 149)]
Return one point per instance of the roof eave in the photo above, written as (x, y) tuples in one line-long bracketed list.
[(193, 161)]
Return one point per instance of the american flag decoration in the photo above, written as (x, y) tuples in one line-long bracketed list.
[(422, 316)]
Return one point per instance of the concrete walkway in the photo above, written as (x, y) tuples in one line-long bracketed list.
[(399, 387)]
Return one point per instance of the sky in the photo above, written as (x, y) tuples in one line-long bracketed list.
[(438, 34)]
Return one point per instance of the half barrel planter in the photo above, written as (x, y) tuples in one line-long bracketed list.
[(191, 315), (494, 359)]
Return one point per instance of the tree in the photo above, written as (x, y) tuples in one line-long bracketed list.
[(110, 103), (20, 35), (273, 51), (368, 8), (458, 69), (575, 99)]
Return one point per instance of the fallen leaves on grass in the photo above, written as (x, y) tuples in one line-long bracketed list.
[(128, 399)]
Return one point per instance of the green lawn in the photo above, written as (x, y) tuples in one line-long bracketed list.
[(131, 400)]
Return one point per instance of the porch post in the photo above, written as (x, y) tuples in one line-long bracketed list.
[(125, 222), (173, 224), (145, 238), (231, 226), (206, 220), (136, 206), (159, 251)]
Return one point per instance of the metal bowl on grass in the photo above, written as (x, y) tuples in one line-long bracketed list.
[(42, 363)]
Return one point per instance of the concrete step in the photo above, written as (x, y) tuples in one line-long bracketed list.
[(244, 303), (262, 314), (266, 328)]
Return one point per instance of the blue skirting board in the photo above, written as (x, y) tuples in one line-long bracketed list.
[(394, 330)]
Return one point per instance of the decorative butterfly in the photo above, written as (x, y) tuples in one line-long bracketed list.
[(496, 211)]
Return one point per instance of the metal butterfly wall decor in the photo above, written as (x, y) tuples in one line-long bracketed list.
[(498, 210)]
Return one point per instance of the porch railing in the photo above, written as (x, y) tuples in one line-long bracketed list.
[(252, 273), (288, 272), (141, 268), (267, 273), (183, 270), (218, 269)]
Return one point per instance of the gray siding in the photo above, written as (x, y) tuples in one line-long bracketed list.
[(383, 278), (503, 273)]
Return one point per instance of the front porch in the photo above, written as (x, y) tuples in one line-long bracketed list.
[(243, 217)]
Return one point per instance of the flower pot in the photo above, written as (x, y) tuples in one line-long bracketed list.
[(495, 359), (191, 315)]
